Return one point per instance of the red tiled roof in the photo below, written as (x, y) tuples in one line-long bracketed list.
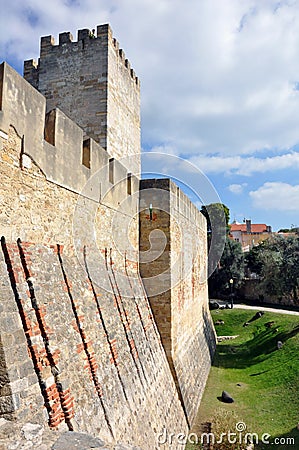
[(255, 227)]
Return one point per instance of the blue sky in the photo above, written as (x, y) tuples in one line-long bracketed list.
[(219, 83)]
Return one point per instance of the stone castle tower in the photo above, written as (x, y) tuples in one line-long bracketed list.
[(92, 82), (101, 332)]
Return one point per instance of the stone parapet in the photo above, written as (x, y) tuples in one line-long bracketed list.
[(57, 145)]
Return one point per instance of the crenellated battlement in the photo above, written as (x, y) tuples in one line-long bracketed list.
[(177, 200), (57, 145), (93, 83), (85, 37)]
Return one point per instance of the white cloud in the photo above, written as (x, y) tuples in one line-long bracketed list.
[(276, 196), (237, 188), (242, 165), (216, 77), (165, 149)]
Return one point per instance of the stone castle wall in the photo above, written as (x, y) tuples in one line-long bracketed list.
[(79, 348), (92, 82), (173, 266), (192, 330)]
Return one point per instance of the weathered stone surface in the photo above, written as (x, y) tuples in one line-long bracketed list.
[(6, 404), (80, 441), (226, 397), (279, 345), (226, 338), (33, 432), (126, 447), (32, 436), (173, 266)]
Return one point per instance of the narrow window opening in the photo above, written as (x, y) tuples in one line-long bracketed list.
[(86, 153), (50, 127), (22, 153), (1, 85), (111, 170), (178, 198), (129, 184)]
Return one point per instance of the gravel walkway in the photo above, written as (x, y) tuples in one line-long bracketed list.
[(256, 307), (266, 308)]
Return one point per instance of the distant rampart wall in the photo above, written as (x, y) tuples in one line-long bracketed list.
[(173, 266), (253, 290)]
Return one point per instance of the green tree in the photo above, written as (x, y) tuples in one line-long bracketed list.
[(217, 215), (230, 267), (276, 262), (289, 230)]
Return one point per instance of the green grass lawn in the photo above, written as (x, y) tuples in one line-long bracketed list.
[(263, 380)]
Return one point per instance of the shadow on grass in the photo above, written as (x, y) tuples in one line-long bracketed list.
[(285, 336), (259, 373), (253, 351)]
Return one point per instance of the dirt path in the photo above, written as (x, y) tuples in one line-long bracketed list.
[(264, 308), (256, 307)]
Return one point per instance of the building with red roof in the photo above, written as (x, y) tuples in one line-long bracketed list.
[(249, 234)]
